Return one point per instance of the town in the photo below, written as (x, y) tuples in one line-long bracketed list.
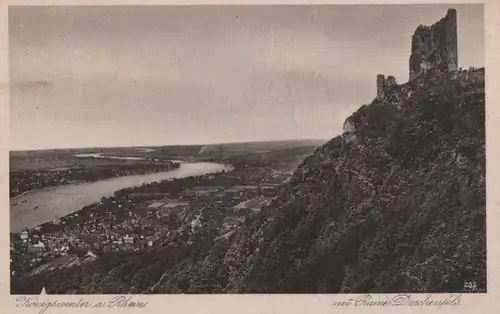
[(145, 218)]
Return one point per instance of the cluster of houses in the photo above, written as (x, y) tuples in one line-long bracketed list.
[(233, 192), (97, 237), (238, 213), (141, 224), (237, 202)]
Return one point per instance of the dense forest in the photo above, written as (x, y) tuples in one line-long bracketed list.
[(400, 207)]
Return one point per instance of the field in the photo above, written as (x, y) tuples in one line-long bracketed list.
[(61, 158), (56, 158)]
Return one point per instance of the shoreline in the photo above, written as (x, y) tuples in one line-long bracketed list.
[(84, 182), (225, 168)]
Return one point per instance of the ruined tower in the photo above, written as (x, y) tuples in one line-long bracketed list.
[(380, 86), (384, 84), (435, 47)]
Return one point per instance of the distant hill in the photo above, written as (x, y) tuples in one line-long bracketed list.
[(50, 158), (53, 158), (283, 155), (257, 147)]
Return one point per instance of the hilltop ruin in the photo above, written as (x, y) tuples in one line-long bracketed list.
[(433, 48)]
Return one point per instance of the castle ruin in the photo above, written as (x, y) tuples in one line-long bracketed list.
[(384, 84), (433, 48)]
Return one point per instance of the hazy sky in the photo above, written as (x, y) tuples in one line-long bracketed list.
[(113, 76)]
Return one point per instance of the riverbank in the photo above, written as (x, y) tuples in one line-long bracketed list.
[(38, 180), (55, 202), (84, 182), (47, 189)]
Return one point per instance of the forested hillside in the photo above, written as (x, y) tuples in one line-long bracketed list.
[(401, 208)]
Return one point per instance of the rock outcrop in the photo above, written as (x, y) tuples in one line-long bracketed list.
[(400, 209)]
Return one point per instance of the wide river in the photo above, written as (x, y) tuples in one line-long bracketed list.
[(60, 201)]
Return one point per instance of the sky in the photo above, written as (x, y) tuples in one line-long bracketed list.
[(84, 76)]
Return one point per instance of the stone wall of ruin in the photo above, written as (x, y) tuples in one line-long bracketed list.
[(384, 84), (435, 47)]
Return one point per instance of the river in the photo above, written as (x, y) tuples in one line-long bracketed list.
[(60, 201), (99, 155)]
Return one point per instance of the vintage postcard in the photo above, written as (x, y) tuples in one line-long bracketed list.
[(250, 157)]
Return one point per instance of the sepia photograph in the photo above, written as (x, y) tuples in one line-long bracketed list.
[(247, 149)]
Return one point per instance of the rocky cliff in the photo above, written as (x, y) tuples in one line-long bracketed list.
[(401, 208)]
